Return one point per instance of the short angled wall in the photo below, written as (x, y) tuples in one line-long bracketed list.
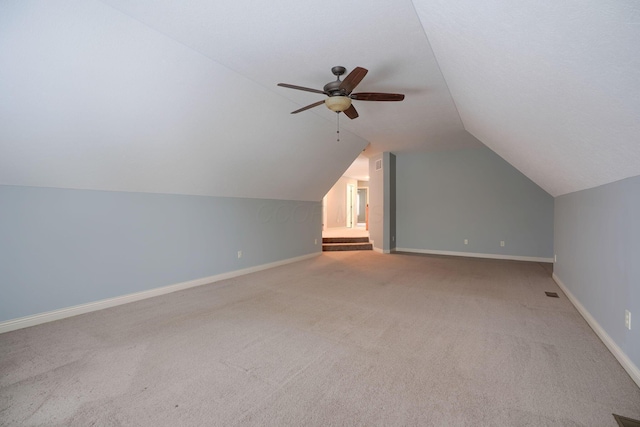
[(64, 248), (27, 321), (597, 243), (627, 364)]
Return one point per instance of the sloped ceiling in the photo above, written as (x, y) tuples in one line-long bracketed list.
[(551, 86), (181, 96)]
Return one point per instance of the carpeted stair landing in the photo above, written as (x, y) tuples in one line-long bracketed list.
[(346, 244)]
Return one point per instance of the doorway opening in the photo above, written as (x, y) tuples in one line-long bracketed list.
[(351, 205), (362, 214), (345, 206)]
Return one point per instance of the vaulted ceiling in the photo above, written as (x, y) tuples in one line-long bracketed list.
[(181, 97)]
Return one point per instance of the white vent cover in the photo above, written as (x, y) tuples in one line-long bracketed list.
[(378, 164)]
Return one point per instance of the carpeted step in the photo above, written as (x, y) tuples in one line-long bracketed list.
[(347, 247), (345, 240)]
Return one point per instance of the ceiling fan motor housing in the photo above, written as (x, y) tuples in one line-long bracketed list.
[(333, 89)]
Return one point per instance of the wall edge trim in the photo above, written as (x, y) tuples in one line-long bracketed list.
[(475, 255), (617, 352), (62, 313)]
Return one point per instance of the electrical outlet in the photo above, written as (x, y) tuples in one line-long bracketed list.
[(502, 243), (555, 258), (627, 319), (239, 254), (466, 241), (315, 242)]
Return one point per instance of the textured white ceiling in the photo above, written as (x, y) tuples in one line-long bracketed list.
[(551, 86), (181, 96), (294, 42)]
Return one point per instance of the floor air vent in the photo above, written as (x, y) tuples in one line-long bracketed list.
[(552, 294)]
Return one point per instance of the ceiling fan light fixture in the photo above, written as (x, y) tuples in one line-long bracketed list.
[(338, 103)]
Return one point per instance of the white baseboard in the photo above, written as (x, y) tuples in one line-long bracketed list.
[(381, 251), (475, 255), (624, 360), (50, 316)]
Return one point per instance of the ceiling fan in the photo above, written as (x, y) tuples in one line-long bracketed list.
[(339, 92)]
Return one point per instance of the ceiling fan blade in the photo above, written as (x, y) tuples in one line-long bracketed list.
[(351, 112), (351, 81), (308, 89), (315, 104), (375, 96)]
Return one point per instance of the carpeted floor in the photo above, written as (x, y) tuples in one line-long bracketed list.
[(346, 338)]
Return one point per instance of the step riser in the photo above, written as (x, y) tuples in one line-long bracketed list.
[(345, 240), (351, 247)]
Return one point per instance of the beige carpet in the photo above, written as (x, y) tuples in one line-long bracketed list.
[(347, 338)]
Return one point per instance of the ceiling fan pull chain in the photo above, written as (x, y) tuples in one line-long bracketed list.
[(338, 122)]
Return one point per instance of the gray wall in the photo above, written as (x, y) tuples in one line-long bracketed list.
[(382, 200), (60, 248), (446, 197), (389, 162), (376, 202), (597, 241)]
